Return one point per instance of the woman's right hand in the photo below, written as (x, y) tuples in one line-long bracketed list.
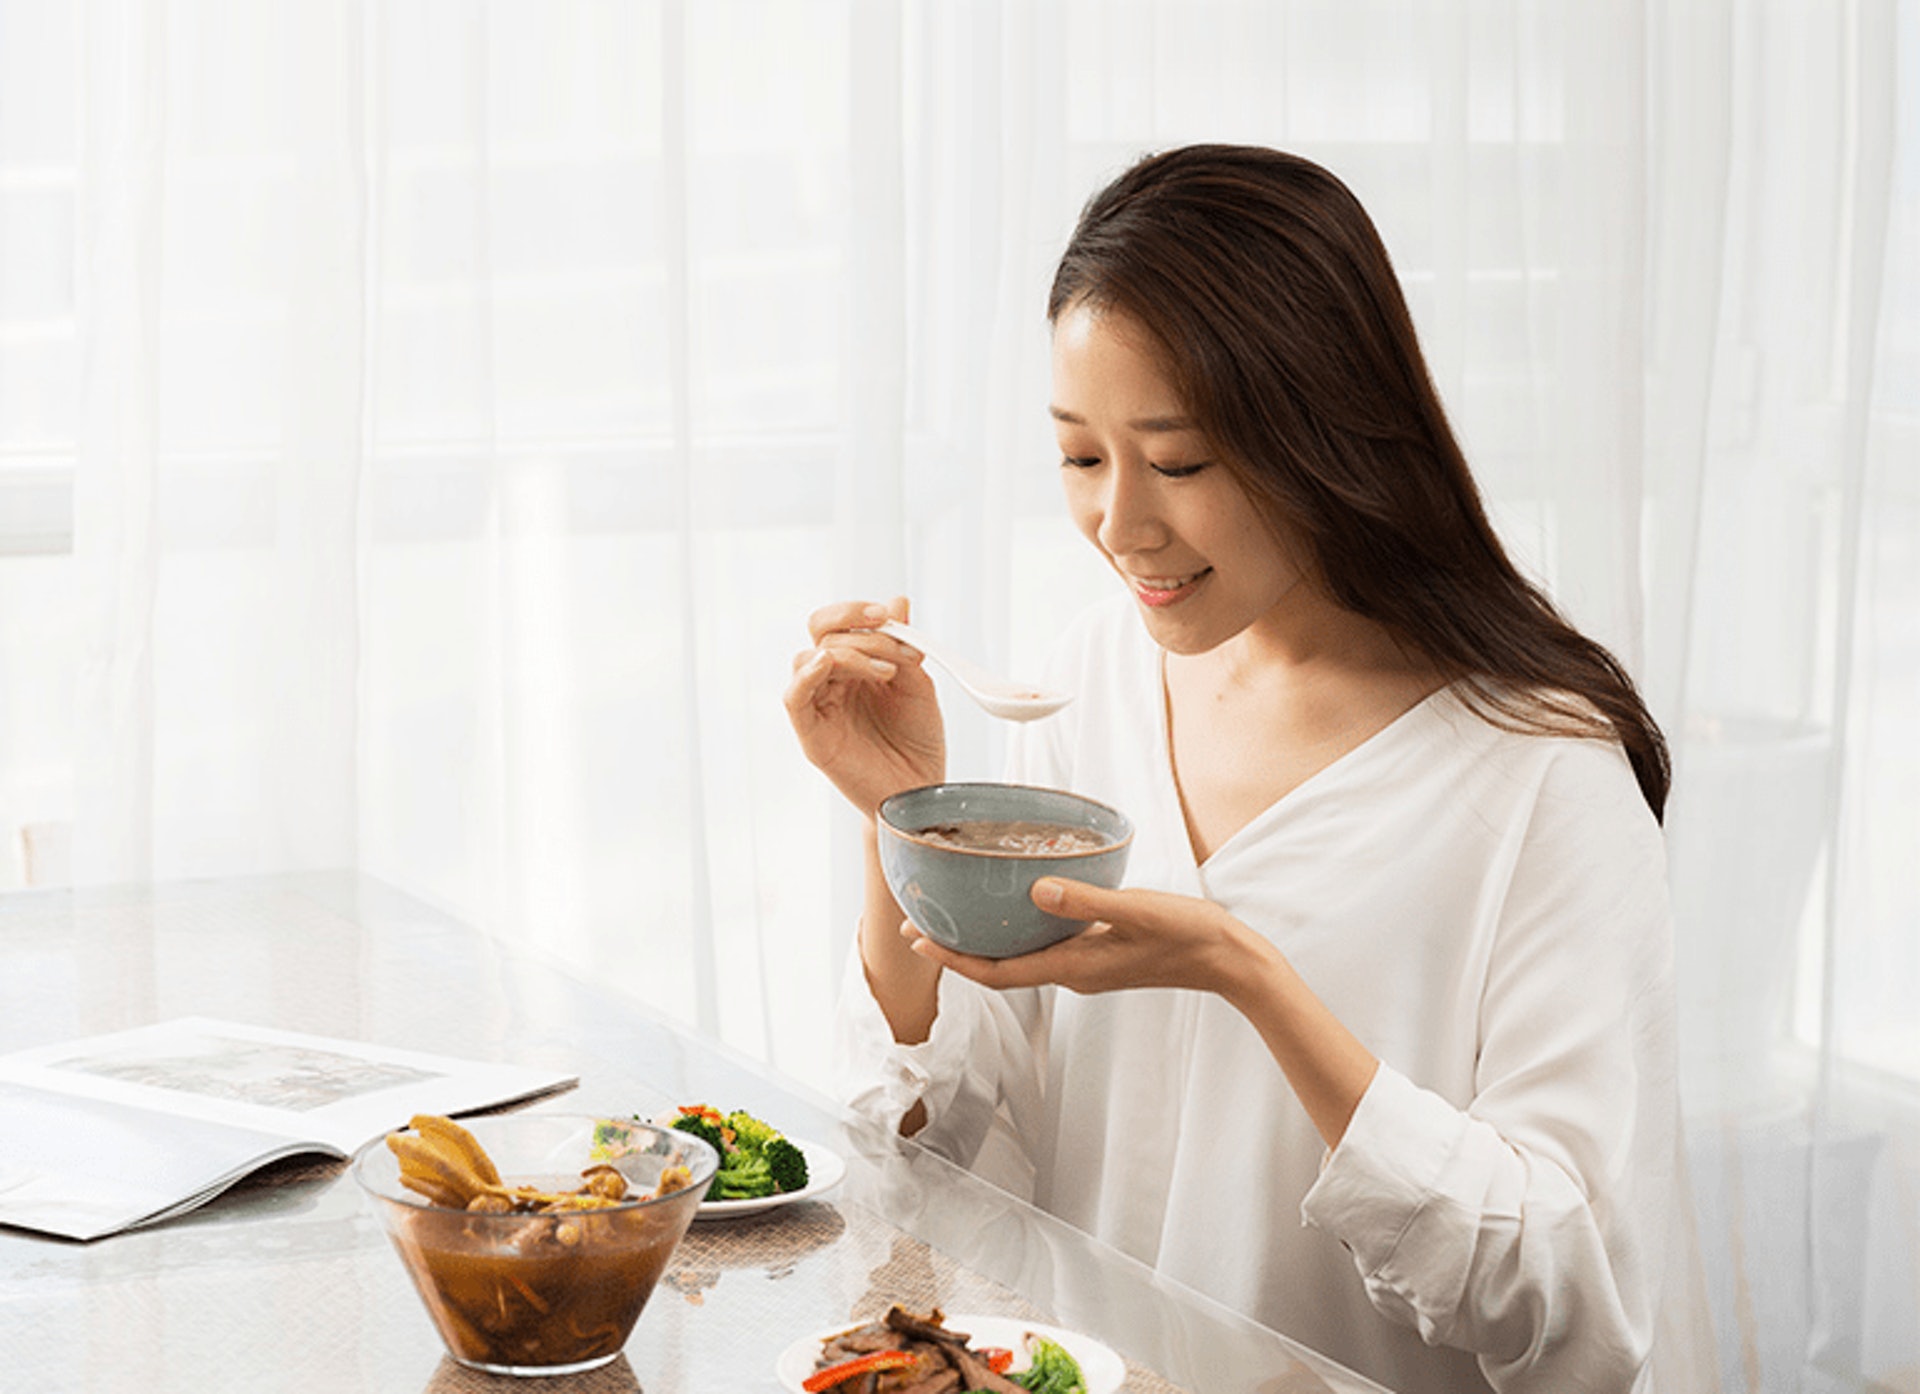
[(864, 707)]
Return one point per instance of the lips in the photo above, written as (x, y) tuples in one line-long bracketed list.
[(1158, 591)]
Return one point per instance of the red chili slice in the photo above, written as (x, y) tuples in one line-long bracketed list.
[(852, 1369)]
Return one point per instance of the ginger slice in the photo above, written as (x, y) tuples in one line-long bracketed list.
[(445, 1163)]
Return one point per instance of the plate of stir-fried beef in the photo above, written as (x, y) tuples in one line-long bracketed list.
[(909, 1352)]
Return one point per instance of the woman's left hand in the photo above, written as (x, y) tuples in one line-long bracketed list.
[(1143, 938), (1139, 938)]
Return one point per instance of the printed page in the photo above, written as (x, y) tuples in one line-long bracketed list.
[(92, 1170), (300, 1088), (100, 1134)]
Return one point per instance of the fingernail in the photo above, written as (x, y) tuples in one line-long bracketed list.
[(884, 668), (875, 612), (1048, 894)]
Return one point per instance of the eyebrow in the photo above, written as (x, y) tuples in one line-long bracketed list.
[(1147, 425)]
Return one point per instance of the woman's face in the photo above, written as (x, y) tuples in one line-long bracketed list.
[(1150, 492)]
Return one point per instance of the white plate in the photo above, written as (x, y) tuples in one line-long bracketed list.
[(1104, 1370), (824, 1172)]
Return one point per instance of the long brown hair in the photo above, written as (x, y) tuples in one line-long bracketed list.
[(1285, 331)]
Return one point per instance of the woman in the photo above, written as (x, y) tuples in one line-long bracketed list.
[(1393, 958)]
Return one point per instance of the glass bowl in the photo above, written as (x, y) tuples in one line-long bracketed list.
[(541, 1294)]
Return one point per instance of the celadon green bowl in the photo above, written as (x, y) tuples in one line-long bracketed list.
[(976, 900)]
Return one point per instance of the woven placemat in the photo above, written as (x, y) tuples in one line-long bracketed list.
[(912, 1274), (790, 1257)]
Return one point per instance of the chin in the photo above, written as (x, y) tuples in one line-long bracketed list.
[(1185, 640)]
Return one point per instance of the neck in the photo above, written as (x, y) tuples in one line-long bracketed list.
[(1305, 639)]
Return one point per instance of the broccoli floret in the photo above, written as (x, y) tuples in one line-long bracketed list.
[(699, 1127), (609, 1138), (749, 1132), (786, 1164), (744, 1177), (755, 1160)]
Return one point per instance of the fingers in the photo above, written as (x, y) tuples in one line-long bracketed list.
[(816, 671), (846, 615), (1077, 900), (1024, 970), (1136, 938), (810, 673), (852, 615), (851, 626), (824, 662)]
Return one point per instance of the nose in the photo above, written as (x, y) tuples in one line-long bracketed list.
[(1129, 519)]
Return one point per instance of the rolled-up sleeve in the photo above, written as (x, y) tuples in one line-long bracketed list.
[(978, 1069), (1527, 1224)]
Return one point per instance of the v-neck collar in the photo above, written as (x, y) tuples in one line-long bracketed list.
[(1340, 766)]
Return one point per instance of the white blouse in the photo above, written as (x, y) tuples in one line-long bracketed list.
[(1487, 912)]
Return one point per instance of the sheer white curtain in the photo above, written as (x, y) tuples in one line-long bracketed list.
[(425, 427)]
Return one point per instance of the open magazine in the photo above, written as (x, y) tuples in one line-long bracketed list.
[(101, 1135)]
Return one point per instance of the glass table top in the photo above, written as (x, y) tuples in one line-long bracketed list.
[(286, 1281)]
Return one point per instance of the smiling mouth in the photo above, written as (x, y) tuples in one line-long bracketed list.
[(1157, 591)]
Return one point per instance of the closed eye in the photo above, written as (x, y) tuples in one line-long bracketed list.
[(1181, 471), (1079, 462)]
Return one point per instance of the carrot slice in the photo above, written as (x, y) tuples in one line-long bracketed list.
[(853, 1369)]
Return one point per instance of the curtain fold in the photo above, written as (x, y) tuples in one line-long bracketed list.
[(119, 255), (313, 787), (459, 408)]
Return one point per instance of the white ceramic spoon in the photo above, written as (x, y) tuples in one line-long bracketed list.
[(1010, 701)]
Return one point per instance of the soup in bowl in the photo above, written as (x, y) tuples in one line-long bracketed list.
[(962, 858), (533, 1249)]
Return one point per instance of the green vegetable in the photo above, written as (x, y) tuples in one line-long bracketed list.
[(749, 1132), (1051, 1371), (744, 1177), (755, 1160), (699, 1127), (786, 1164)]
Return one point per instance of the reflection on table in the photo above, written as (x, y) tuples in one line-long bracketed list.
[(286, 1282)]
